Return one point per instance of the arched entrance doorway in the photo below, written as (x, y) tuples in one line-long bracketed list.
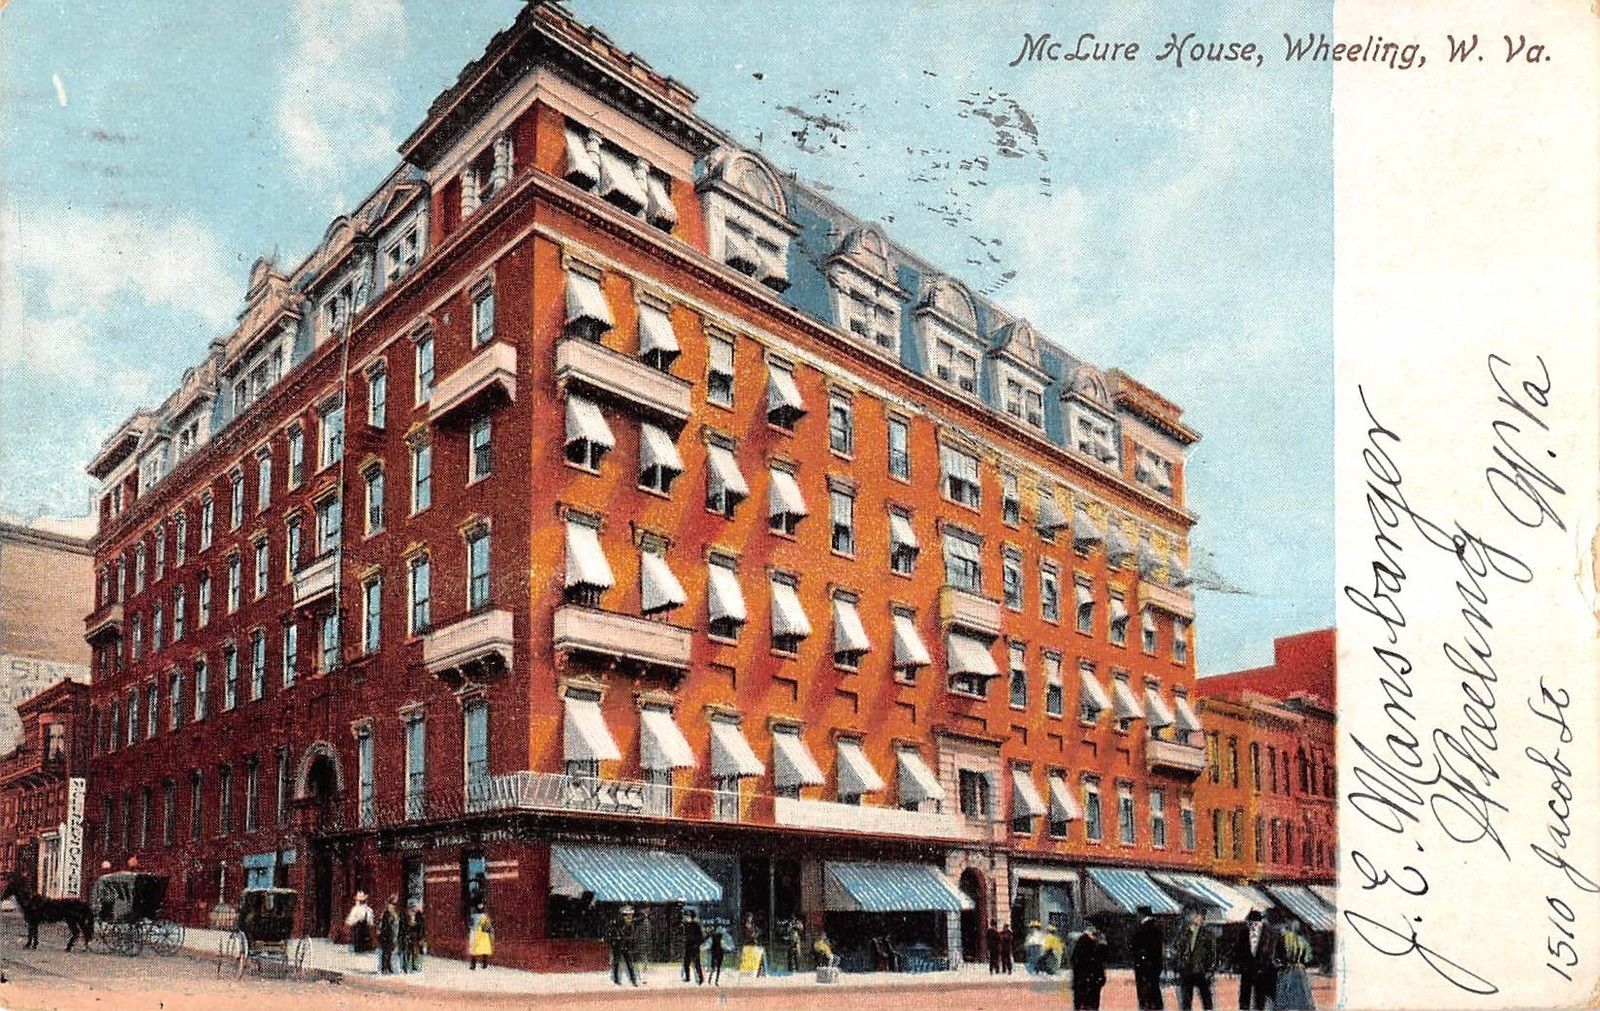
[(976, 919), (318, 787)]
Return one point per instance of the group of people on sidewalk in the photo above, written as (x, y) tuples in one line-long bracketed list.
[(1271, 958), (390, 932)]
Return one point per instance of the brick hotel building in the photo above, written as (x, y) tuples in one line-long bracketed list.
[(598, 515)]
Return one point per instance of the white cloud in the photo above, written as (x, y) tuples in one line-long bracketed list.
[(338, 97)]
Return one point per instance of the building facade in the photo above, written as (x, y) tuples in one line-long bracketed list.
[(43, 785), (599, 515), (45, 567)]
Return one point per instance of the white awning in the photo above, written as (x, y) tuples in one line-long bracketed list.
[(660, 210), (1052, 675), (1051, 518), (585, 423), (909, 649), (1118, 549), (1084, 594), (782, 393), (966, 655), (1177, 575), (788, 617), (900, 533), (856, 774), (1119, 610), (1147, 621), (849, 635), (1063, 805), (958, 463), (583, 167), (1093, 691), (792, 764), (659, 588), (774, 270), (662, 746), (586, 563), (585, 301), (783, 495), (1156, 712), (1186, 719), (1085, 530), (584, 734), (725, 600), (725, 471), (656, 449), (618, 178), (731, 754), (1025, 799), (1149, 561), (740, 252), (1125, 705), (916, 782), (656, 334)]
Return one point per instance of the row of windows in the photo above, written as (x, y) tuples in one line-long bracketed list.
[(1271, 770), (1059, 808), (127, 822), (1274, 840)]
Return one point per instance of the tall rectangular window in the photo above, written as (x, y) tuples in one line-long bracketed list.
[(329, 521), (719, 370), (420, 592), (208, 515), (1010, 500), (285, 790), (291, 650), (961, 481), (963, 565), (225, 800), (1093, 825), (202, 690), (152, 708), (169, 812), (842, 511), (233, 582), (416, 767), (139, 555), (900, 448), (258, 664), (377, 397), (374, 482), (161, 553), (483, 316), (1216, 834), (1011, 578), (841, 426), (328, 641), (1019, 675), (1158, 818), (157, 627), (235, 500), (475, 735), (263, 481), (291, 544), (424, 367), (180, 539), (252, 794), (260, 573), (1186, 816), (478, 568), (196, 803), (179, 607), (230, 678), (366, 794), (371, 614), (1049, 594), (481, 448), (1054, 690), (297, 456), (175, 699), (1126, 827), (421, 476), (331, 436), (1255, 766)]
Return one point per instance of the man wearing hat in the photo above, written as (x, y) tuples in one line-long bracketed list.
[(1147, 945), (693, 936), (1088, 968), (1197, 960), (1258, 975), (624, 934)]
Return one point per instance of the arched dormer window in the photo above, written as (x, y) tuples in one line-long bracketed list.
[(747, 216), (1019, 379), (1091, 428), (866, 294), (946, 320)]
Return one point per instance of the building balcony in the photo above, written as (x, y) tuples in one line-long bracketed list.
[(1170, 756), (970, 611), (616, 376), (476, 648), (316, 579), (1165, 598), (623, 637), (106, 621), (866, 819), (491, 376)]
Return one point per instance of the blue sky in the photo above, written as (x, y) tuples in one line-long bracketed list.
[(1176, 223)]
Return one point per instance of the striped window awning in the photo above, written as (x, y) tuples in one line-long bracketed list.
[(788, 616), (655, 333), (659, 588), (1123, 703), (1093, 692), (901, 536), (966, 655), (1128, 889), (849, 635), (1327, 893), (1222, 902), (1025, 799), (1305, 906), (725, 599), (1177, 575), (792, 763), (731, 754), (585, 737), (909, 649), (660, 210), (1119, 610), (1085, 531), (782, 393), (724, 472), (619, 180), (656, 449), (1063, 805), (628, 874), (586, 563), (1149, 561), (583, 165), (783, 496), (856, 772), (916, 781), (887, 887), (1156, 712), (662, 746), (585, 423), (1051, 518), (1118, 550), (586, 303), (1186, 719)]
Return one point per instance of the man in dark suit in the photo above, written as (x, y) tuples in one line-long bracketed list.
[(992, 939), (1197, 960), (1258, 973), (1147, 946), (1088, 969)]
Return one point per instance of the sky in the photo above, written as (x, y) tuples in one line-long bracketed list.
[(1176, 223)]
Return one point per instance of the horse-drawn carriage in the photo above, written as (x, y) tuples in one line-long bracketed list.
[(129, 909), (261, 940)]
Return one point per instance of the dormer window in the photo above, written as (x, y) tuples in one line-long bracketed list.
[(1153, 470), (402, 255), (1093, 434), (747, 217), (866, 295), (1018, 372)]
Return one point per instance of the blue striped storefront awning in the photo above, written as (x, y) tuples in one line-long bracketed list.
[(1222, 901), (1129, 889), (1306, 907), (1256, 896), (888, 887), (627, 874)]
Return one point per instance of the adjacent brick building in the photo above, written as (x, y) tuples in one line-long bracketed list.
[(42, 790), (599, 515)]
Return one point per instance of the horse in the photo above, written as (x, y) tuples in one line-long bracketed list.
[(37, 909)]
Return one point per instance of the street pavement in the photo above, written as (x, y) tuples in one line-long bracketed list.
[(50, 978)]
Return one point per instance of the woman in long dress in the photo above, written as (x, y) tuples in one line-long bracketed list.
[(1294, 955), (359, 922), (480, 939)]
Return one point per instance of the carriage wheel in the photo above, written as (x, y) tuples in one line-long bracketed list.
[(166, 937), (130, 939), (300, 947), (228, 950), (105, 934), (243, 964)]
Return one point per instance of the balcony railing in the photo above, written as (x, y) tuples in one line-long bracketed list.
[(616, 376), (1165, 598), (492, 372), (1188, 759), (106, 621), (315, 579), (970, 611), (623, 636), (476, 647)]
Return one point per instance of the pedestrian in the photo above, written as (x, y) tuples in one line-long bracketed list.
[(794, 935), (359, 922), (1253, 958), (1148, 945), (1088, 968), (823, 949), (1033, 946), (414, 938), (1006, 952), (693, 936), (1054, 957), (753, 956), (1197, 960), (480, 938), (623, 935), (1293, 992), (992, 939), (388, 935), (717, 947)]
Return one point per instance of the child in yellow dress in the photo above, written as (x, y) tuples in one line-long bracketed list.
[(480, 938)]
